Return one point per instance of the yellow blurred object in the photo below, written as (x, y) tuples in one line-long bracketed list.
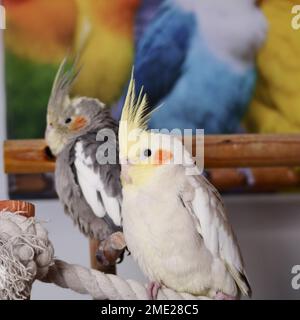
[(40, 30), (276, 104), (105, 40), (101, 31)]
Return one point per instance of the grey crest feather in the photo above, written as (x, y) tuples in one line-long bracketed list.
[(63, 82)]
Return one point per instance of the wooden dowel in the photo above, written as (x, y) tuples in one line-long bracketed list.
[(27, 156), (221, 151), (266, 179), (252, 150)]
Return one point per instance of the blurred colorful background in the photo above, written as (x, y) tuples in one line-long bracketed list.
[(214, 64), (39, 34)]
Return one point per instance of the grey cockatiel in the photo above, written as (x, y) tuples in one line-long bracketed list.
[(179, 234), (90, 192)]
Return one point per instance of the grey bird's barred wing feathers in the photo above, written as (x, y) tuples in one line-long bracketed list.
[(94, 188), (73, 200), (93, 216), (205, 205)]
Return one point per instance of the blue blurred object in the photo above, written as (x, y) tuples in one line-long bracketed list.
[(145, 15), (197, 58)]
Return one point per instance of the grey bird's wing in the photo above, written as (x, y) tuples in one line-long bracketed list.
[(90, 192), (100, 183), (204, 203)]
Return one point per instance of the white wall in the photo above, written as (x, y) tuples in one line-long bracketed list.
[(268, 228)]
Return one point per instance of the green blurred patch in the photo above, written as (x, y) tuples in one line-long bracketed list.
[(28, 86)]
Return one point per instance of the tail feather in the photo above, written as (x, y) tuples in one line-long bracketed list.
[(242, 281)]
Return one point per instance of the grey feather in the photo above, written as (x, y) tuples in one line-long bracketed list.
[(70, 193), (62, 83)]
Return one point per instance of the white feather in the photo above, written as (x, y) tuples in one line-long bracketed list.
[(215, 228), (90, 183), (216, 231)]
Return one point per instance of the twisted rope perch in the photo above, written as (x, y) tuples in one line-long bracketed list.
[(103, 286), (26, 254)]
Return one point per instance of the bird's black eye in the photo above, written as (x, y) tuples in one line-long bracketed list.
[(68, 120), (147, 153)]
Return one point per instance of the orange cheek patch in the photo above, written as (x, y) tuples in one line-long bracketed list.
[(163, 157), (78, 123)]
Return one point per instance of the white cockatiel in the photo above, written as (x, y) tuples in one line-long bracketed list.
[(174, 223)]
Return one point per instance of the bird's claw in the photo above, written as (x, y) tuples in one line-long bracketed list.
[(222, 296), (111, 249), (152, 290)]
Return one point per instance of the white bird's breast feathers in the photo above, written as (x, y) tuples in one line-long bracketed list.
[(161, 237), (183, 242)]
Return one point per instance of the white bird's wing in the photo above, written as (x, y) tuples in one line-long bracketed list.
[(204, 203), (93, 188)]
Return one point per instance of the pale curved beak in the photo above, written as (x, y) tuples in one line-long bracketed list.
[(54, 141)]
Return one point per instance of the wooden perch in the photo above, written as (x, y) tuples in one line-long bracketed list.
[(266, 179), (221, 151), (252, 150), (27, 156)]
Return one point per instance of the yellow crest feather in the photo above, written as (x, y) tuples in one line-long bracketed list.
[(135, 109), (135, 114)]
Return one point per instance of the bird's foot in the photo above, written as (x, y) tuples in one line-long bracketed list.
[(152, 290), (223, 296), (111, 249), (248, 174)]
